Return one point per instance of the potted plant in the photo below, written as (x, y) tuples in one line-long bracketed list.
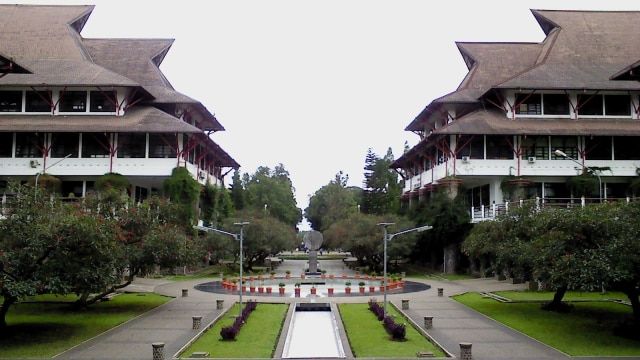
[(330, 291), (323, 274), (381, 285), (347, 289), (302, 276), (272, 275), (268, 288), (252, 288), (288, 274), (361, 287), (244, 286), (260, 289), (372, 288), (234, 284), (281, 288), (313, 289), (297, 289)]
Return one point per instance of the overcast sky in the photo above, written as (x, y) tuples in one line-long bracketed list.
[(314, 84)]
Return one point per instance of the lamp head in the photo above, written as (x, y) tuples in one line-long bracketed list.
[(560, 153)]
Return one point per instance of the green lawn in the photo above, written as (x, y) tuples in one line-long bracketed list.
[(586, 330), (569, 296), (368, 338), (257, 338), (38, 330), (422, 272)]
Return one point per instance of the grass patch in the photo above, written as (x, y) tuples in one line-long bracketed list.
[(368, 338), (585, 331), (569, 296), (46, 329), (257, 338), (422, 272)]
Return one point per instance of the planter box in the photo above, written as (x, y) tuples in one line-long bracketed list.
[(382, 288), (281, 291), (323, 276), (260, 290), (297, 292), (244, 289), (372, 289), (330, 290), (313, 291), (331, 276), (347, 291), (361, 290), (268, 290), (252, 289)]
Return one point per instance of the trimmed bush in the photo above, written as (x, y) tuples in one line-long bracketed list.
[(113, 181), (397, 331), (230, 332)]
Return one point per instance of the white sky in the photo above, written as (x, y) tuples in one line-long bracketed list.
[(314, 84)]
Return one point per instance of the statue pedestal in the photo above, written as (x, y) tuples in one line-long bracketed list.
[(313, 262)]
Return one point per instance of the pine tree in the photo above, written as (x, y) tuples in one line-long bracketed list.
[(237, 191)]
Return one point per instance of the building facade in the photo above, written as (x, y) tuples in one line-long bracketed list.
[(78, 108), (533, 115)]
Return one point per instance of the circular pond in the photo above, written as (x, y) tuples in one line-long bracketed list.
[(310, 286)]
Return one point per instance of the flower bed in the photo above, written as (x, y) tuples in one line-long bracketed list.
[(230, 332), (397, 331)]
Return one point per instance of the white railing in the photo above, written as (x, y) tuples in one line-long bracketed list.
[(490, 212)]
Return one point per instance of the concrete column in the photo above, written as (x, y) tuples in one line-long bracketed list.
[(440, 292), (185, 292), (158, 351), (219, 304), (405, 304), (197, 322), (428, 322), (465, 351)]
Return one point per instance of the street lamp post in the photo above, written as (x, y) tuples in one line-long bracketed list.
[(49, 167), (238, 237), (388, 237), (561, 153)]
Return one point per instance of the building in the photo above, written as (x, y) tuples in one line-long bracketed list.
[(103, 104), (576, 91)]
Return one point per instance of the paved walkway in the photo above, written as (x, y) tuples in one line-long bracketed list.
[(453, 323)]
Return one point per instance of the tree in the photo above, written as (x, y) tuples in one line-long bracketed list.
[(216, 204), (275, 190), (382, 189), (237, 191), (360, 235), (331, 203), (29, 236), (183, 189), (264, 236)]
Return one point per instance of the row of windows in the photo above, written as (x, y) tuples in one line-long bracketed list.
[(94, 145), (558, 104), (69, 101)]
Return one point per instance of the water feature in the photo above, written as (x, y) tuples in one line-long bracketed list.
[(313, 333)]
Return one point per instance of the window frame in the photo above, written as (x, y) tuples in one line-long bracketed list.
[(21, 107), (604, 107)]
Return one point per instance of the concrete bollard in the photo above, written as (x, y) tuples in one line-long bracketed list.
[(428, 322), (405, 304), (465, 351), (219, 304), (440, 292), (185, 292), (197, 321), (158, 350)]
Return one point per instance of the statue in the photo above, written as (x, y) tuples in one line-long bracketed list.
[(313, 240)]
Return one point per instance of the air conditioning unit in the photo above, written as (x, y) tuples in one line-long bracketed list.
[(34, 163), (202, 175), (532, 159), (465, 159)]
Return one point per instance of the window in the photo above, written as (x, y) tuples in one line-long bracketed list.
[(556, 192), (73, 101), (63, 144), (471, 146), (566, 144), (598, 148), (71, 189), (556, 104), (103, 101), (10, 101), (162, 145), (132, 145), (537, 146), (529, 104), (626, 148), (29, 145), (617, 105), (38, 101), (590, 104), (6, 144), (498, 147), (95, 145)]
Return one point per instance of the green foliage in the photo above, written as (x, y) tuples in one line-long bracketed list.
[(216, 204), (331, 203), (49, 183), (183, 189), (382, 189), (360, 235), (237, 191), (112, 181), (585, 184), (274, 189)]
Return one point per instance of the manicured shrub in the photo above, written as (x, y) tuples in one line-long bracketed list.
[(376, 309), (230, 332), (397, 331)]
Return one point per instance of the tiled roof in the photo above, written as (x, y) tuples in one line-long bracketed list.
[(139, 119)]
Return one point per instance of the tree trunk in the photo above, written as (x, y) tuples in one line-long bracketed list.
[(556, 304), (632, 294), (451, 258), (82, 300), (6, 304)]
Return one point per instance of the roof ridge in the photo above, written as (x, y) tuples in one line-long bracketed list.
[(587, 11), (498, 42)]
